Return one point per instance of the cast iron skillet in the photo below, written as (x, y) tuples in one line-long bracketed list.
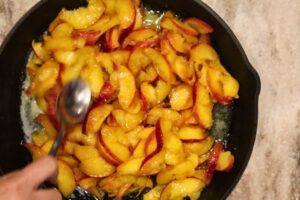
[(15, 49)]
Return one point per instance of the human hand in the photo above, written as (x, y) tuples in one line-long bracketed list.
[(23, 184)]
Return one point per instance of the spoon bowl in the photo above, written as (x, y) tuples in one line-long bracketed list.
[(72, 106)]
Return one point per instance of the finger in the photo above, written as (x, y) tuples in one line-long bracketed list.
[(49, 194), (39, 171)]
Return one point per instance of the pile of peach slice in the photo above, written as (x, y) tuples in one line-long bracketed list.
[(153, 94)]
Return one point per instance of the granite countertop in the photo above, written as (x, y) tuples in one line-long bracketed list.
[(269, 31)]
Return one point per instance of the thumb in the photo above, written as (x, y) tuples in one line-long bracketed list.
[(39, 171)]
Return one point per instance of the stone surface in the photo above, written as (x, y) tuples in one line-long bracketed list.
[(269, 31)]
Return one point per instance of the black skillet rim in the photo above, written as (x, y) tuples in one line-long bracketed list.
[(236, 42)]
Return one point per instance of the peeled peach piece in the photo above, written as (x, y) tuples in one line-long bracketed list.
[(96, 167), (199, 147), (126, 12), (203, 106), (179, 189), (65, 179), (174, 150), (83, 17), (200, 26)]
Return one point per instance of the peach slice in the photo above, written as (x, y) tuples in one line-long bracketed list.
[(138, 22), (161, 65), (181, 188), (83, 17), (182, 68), (200, 147), (148, 92), (110, 6), (127, 87), (173, 24), (62, 30), (162, 90), (136, 105), (75, 134), (199, 25), (85, 152), (67, 58), (137, 61), (79, 175), (174, 150), (181, 97), (139, 36), (120, 57), (65, 179), (188, 117), (59, 43), (103, 25), (90, 37), (191, 133), (127, 121), (96, 117), (45, 78), (112, 38), (154, 193), (203, 52), (40, 51), (177, 172), (139, 149), (154, 162), (69, 147), (107, 92), (88, 183), (157, 113), (106, 153), (212, 162), (114, 148), (93, 76), (130, 167), (149, 75), (39, 138), (126, 12), (203, 106), (151, 144), (223, 87), (96, 167), (70, 160), (225, 161), (178, 42)]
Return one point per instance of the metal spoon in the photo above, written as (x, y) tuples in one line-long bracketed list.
[(71, 107)]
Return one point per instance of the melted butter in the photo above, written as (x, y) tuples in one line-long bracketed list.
[(152, 18)]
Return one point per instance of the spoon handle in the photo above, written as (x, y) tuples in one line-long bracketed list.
[(57, 142)]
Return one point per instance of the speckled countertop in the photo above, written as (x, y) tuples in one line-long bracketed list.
[(269, 31)]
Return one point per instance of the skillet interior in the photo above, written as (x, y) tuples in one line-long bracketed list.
[(13, 56)]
